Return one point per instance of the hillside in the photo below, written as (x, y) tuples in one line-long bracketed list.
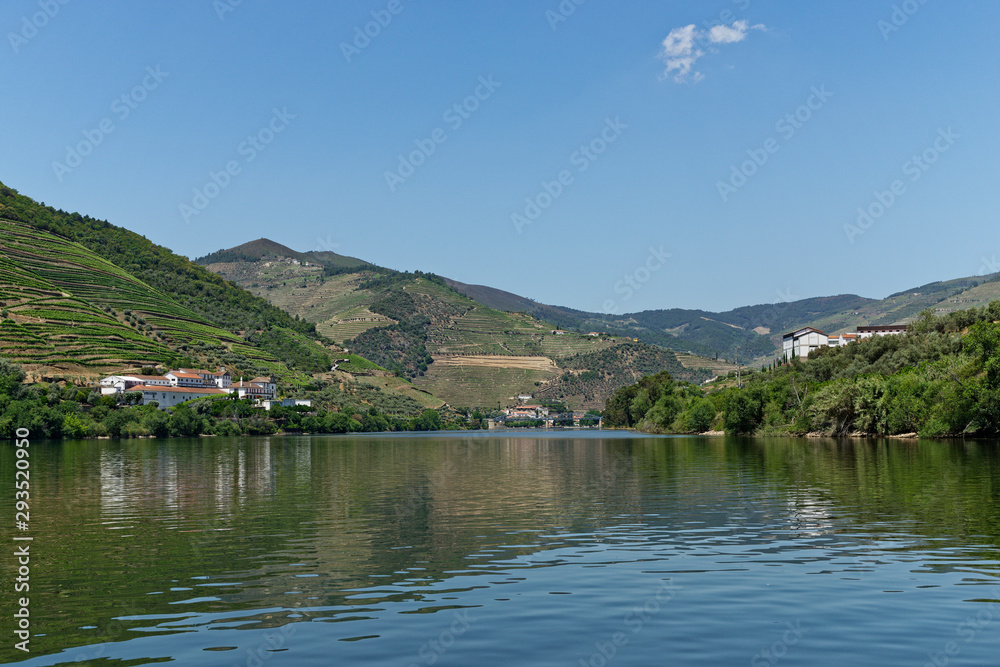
[(106, 300), (67, 311), (419, 326), (185, 297), (756, 330)]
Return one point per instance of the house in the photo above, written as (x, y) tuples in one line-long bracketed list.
[(559, 332), (223, 379), (169, 396), (881, 330), (220, 378), (527, 412), (184, 379), (801, 342), (256, 390), (839, 340), (119, 384), (269, 383)]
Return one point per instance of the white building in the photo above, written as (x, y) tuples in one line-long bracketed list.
[(801, 342), (220, 378), (286, 403), (881, 330), (119, 384), (184, 379), (168, 397), (223, 379), (251, 390), (269, 383), (839, 340)]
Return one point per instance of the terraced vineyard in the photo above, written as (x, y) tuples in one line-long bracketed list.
[(70, 310), (715, 366), (481, 385), (349, 324)]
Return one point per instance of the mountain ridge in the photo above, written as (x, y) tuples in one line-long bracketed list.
[(752, 333)]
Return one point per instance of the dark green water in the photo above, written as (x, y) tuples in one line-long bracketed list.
[(579, 548)]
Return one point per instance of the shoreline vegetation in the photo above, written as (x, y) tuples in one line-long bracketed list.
[(940, 379), (56, 411)]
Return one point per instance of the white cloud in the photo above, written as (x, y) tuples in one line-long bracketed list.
[(680, 51), (724, 34), (680, 41)]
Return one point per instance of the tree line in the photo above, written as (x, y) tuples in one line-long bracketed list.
[(941, 378)]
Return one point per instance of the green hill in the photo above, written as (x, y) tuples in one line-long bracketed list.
[(263, 249), (179, 308), (80, 298), (420, 327), (67, 309)]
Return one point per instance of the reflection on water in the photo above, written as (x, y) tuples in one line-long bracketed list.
[(571, 548)]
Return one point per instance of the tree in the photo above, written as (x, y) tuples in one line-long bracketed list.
[(73, 427), (184, 422), (665, 411), (430, 420), (11, 378), (699, 416), (117, 420), (744, 411), (340, 422)]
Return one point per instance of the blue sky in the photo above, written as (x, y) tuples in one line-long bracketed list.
[(605, 156)]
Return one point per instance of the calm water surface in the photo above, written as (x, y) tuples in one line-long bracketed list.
[(573, 548)]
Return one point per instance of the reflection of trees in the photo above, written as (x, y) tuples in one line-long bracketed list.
[(141, 517)]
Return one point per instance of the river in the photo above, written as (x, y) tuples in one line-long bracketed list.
[(530, 548)]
